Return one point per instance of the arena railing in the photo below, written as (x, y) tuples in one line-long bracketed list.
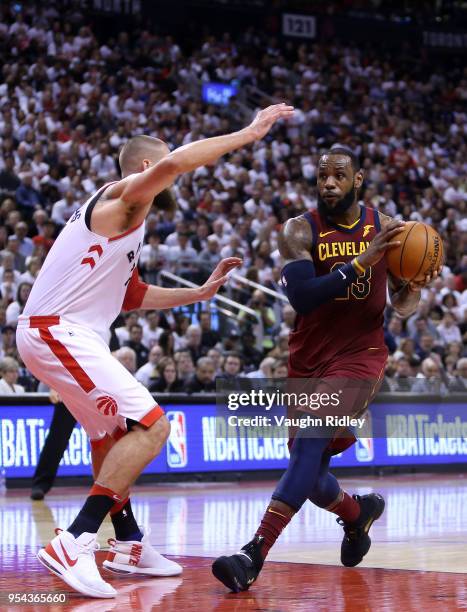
[(253, 97), (218, 298), (263, 288)]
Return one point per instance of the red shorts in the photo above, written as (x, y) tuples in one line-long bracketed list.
[(98, 391), (360, 381)]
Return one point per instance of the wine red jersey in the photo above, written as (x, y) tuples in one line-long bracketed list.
[(344, 336)]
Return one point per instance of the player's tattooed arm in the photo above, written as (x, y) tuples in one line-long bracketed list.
[(404, 300), (295, 240), (305, 290)]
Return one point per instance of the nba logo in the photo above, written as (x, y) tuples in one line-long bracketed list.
[(364, 450), (176, 444)]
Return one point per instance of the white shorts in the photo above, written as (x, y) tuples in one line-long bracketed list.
[(96, 388)]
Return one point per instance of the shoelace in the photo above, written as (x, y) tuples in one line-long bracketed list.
[(87, 550), (250, 550), (349, 530), (90, 549)]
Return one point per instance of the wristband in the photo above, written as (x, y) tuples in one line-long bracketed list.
[(358, 266)]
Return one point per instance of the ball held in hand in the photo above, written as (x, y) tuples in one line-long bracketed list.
[(420, 252)]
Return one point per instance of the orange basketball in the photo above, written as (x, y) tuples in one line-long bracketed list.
[(420, 252)]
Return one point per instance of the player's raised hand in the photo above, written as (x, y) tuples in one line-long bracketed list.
[(218, 277), (224, 267), (267, 117), (385, 239)]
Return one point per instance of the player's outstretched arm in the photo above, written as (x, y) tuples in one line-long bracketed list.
[(141, 188), (305, 290), (149, 297)]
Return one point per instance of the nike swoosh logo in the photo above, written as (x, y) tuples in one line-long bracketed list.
[(67, 558), (342, 274), (323, 234)]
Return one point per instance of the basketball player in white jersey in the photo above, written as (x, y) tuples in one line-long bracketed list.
[(89, 276)]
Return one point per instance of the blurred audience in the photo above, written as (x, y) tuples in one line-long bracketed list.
[(70, 97)]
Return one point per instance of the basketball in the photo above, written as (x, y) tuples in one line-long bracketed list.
[(420, 252)]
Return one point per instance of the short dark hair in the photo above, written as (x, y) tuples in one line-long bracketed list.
[(233, 354), (338, 149)]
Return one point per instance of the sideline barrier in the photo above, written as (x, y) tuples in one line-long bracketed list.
[(432, 430)]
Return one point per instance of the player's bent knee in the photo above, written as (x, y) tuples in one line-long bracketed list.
[(159, 431)]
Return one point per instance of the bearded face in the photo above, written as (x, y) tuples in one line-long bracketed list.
[(338, 185)]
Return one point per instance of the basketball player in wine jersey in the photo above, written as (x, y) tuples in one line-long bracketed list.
[(335, 278), (89, 276)]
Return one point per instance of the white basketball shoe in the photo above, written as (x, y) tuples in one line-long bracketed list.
[(72, 560), (139, 558)]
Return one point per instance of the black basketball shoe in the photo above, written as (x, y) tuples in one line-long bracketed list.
[(357, 542), (239, 571), (37, 493)]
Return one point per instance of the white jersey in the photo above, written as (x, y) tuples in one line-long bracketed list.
[(85, 276)]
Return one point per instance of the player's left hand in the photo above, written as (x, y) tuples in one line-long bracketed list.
[(419, 285), (218, 277), (267, 117)]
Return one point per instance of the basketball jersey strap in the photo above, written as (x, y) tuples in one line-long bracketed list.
[(314, 230), (92, 203), (376, 220)]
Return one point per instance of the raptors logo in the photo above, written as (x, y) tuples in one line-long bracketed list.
[(107, 405)]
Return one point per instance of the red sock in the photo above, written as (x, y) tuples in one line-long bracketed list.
[(97, 505), (272, 524), (98, 489), (118, 506), (346, 507)]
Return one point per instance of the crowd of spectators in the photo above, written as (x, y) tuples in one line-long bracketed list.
[(69, 99)]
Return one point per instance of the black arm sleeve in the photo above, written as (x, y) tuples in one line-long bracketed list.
[(306, 291)]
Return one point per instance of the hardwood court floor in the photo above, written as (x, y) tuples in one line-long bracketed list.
[(418, 560)]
